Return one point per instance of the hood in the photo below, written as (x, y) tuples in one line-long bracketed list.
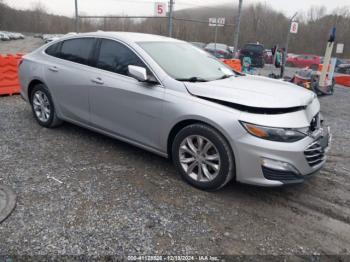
[(253, 91)]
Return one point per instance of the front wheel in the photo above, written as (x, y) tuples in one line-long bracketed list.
[(203, 157)]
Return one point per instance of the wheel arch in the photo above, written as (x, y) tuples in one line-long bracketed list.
[(186, 122), (31, 85)]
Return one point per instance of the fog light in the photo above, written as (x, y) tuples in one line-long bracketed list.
[(278, 165)]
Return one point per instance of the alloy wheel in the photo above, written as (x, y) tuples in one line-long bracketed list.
[(41, 105), (199, 158)]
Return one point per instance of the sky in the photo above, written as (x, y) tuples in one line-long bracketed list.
[(146, 7)]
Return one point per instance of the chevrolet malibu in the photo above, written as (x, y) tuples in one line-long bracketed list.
[(176, 100)]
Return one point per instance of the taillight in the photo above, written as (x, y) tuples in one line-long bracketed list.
[(20, 62)]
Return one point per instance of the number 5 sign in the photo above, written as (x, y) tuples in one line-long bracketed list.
[(160, 9)]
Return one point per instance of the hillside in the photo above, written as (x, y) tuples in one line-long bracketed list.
[(260, 23)]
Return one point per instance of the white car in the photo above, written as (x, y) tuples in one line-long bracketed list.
[(4, 37)]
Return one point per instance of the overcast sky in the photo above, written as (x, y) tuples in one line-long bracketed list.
[(146, 7)]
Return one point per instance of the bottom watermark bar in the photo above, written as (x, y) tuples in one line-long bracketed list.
[(238, 258)]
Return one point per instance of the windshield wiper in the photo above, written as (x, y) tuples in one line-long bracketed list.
[(225, 76), (192, 79)]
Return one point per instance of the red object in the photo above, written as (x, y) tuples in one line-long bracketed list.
[(235, 64), (343, 80), (9, 83), (304, 61)]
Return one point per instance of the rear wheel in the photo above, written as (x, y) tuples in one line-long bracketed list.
[(43, 107), (203, 157)]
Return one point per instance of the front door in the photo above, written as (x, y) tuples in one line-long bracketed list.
[(119, 103)]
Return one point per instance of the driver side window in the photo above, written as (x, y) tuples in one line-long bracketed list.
[(116, 57)]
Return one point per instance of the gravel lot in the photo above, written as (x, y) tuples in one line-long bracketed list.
[(116, 199)]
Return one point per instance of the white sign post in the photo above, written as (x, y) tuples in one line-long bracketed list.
[(160, 9), (216, 21), (294, 27), (340, 48)]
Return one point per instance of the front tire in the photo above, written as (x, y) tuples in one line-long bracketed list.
[(43, 107), (203, 157)]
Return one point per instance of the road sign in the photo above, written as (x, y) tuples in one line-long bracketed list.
[(340, 48), (294, 27), (160, 9), (217, 21)]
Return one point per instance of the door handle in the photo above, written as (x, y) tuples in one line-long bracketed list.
[(53, 69), (97, 80)]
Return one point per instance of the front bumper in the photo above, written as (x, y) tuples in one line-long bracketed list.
[(305, 157)]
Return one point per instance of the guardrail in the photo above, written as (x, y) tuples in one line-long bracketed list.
[(9, 83)]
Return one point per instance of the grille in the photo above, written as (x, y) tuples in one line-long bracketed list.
[(314, 154), (279, 175)]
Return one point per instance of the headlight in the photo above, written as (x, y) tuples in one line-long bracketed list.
[(276, 134)]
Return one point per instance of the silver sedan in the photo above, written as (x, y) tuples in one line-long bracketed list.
[(176, 100)]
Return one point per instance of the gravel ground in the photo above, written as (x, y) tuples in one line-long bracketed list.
[(116, 199)]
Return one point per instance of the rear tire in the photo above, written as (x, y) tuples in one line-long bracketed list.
[(43, 107), (203, 157)]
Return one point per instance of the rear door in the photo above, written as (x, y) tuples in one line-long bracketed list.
[(68, 78), (119, 103)]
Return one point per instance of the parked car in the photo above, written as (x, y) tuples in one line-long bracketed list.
[(256, 54), (338, 62), (198, 44), (4, 37), (169, 97), (218, 50), (343, 69), (51, 37), (305, 60)]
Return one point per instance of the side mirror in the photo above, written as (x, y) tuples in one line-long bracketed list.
[(138, 72)]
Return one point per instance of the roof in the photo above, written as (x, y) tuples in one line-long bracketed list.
[(130, 36)]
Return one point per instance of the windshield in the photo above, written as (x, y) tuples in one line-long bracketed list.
[(183, 61)]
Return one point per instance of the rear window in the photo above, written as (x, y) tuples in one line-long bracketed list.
[(254, 48), (77, 50), (53, 50)]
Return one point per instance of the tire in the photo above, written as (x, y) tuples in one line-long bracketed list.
[(215, 172), (41, 100)]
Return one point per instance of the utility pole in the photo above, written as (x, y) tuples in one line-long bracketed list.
[(237, 25), (170, 18), (76, 17), (286, 45)]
